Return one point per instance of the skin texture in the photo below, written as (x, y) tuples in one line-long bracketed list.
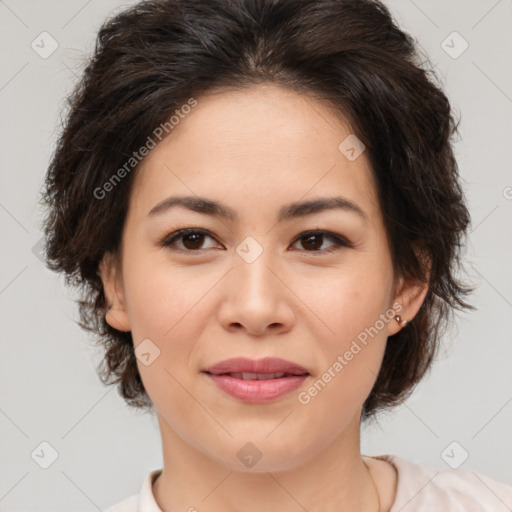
[(256, 150)]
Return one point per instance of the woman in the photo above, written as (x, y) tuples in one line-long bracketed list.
[(261, 203)]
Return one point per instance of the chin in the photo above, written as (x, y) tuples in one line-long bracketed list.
[(261, 457)]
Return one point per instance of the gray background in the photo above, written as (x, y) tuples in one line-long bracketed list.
[(49, 389)]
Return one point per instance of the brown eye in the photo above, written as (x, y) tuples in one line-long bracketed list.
[(312, 241), (191, 240)]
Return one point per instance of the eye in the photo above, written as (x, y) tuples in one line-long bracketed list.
[(314, 240), (192, 239)]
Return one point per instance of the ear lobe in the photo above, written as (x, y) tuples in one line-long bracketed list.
[(410, 297), (410, 293), (110, 274)]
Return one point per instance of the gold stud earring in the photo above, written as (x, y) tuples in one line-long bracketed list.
[(402, 323)]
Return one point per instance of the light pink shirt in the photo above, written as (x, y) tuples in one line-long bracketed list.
[(420, 488)]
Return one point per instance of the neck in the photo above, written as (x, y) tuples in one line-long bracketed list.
[(334, 477)]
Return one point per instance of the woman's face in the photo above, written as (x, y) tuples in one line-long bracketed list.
[(257, 285)]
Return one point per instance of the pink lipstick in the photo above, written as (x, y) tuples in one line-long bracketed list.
[(257, 380)]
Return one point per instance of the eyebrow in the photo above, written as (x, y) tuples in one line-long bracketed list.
[(286, 212)]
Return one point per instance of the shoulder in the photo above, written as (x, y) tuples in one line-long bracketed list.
[(144, 501), (421, 487), (127, 505)]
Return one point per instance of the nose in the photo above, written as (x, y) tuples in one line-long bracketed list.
[(257, 298)]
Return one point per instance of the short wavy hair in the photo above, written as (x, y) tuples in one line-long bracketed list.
[(154, 56)]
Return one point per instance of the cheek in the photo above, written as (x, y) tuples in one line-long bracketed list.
[(351, 357), (160, 297), (169, 306), (165, 306), (351, 314), (347, 300)]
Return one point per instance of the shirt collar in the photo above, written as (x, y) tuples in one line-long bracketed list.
[(147, 502)]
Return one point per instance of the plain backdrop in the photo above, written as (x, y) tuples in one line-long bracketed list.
[(49, 390)]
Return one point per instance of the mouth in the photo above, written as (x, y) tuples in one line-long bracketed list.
[(259, 376), (257, 381), (256, 369)]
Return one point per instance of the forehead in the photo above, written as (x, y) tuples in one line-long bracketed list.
[(256, 148)]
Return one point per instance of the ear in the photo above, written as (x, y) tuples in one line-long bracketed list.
[(409, 296), (109, 271)]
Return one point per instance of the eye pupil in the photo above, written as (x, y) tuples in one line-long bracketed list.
[(308, 238), (198, 237)]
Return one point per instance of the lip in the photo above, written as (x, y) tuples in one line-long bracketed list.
[(257, 391), (265, 365)]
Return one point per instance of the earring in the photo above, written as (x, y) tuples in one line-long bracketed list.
[(402, 323)]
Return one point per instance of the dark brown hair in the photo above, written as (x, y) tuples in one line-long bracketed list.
[(152, 58)]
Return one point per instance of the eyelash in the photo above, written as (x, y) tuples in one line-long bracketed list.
[(339, 242)]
